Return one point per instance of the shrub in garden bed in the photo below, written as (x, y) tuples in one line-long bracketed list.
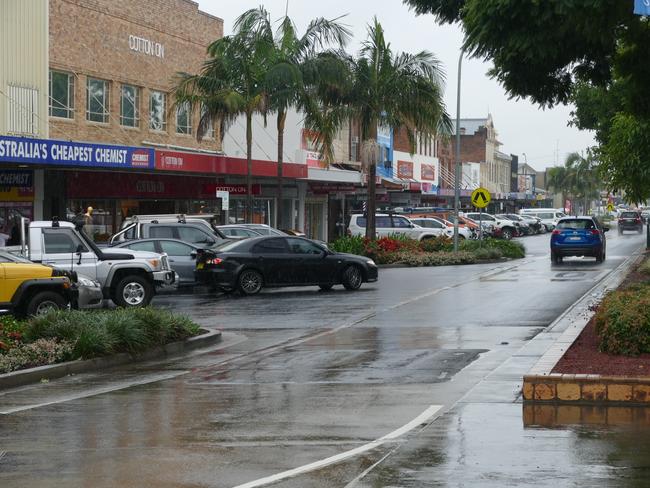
[(509, 249), (622, 321), (65, 335)]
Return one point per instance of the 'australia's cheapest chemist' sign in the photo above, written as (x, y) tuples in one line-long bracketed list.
[(63, 153)]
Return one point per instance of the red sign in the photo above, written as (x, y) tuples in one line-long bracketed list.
[(428, 172), (232, 189), (224, 165), (404, 169)]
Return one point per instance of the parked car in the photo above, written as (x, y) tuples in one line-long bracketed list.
[(502, 228), (630, 220), (446, 226), (548, 216), (534, 222), (89, 292), (578, 236), (181, 255), (28, 288), (389, 224), (522, 227), (249, 230), (252, 264), (193, 230)]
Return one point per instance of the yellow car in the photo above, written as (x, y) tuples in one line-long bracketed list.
[(34, 289)]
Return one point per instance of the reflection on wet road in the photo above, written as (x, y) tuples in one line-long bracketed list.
[(305, 375)]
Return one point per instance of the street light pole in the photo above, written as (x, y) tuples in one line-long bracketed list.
[(457, 168)]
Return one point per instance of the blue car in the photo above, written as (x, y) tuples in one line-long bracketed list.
[(578, 236)]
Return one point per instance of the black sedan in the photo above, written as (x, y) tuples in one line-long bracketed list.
[(271, 261)]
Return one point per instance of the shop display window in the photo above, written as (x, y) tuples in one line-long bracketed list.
[(100, 224)]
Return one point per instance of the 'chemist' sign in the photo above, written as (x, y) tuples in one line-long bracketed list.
[(52, 152)]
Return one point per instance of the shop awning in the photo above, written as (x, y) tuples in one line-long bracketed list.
[(402, 184)]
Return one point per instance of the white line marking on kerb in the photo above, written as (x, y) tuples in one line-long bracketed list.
[(419, 420)]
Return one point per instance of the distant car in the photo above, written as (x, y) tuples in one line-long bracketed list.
[(252, 264), (181, 255), (447, 226), (534, 222), (522, 227), (433, 225), (630, 220), (578, 236), (387, 225)]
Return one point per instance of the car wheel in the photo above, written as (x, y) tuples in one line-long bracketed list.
[(600, 258), (352, 278), (45, 302), (133, 291), (325, 287), (506, 234), (556, 258), (250, 282)]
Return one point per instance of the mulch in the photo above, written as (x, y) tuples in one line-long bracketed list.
[(583, 357)]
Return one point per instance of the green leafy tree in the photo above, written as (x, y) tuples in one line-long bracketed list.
[(230, 84), (288, 55), (397, 90)]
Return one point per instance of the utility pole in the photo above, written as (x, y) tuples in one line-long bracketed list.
[(457, 168)]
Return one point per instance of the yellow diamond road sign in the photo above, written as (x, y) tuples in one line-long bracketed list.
[(610, 207), (481, 197)]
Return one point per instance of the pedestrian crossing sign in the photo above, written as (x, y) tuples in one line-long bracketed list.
[(610, 207), (481, 197)]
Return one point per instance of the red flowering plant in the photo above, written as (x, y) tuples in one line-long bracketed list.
[(11, 333)]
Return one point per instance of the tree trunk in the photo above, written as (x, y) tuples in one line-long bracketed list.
[(249, 167), (282, 118), (370, 155)]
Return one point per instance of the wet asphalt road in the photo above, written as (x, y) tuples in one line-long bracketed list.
[(431, 357)]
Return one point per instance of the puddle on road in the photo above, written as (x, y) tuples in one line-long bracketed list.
[(560, 416)]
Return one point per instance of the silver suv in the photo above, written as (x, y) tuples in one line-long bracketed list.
[(192, 230), (390, 224)]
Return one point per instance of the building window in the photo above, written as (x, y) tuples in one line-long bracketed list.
[(130, 106), (61, 95), (97, 100), (157, 119), (183, 118), (22, 110), (208, 125)]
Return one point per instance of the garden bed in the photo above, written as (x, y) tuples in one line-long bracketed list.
[(400, 250), (63, 336)]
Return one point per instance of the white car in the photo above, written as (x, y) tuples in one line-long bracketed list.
[(444, 227), (387, 225), (502, 228), (548, 216)]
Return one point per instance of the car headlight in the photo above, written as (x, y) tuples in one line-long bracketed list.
[(87, 282), (155, 263), (370, 262)]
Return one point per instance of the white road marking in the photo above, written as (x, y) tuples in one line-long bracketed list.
[(419, 420), (99, 391)]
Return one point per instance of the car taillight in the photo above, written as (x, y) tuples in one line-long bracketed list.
[(638, 220), (214, 261), (595, 232), (555, 232)]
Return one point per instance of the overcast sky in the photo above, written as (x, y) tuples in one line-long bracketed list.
[(521, 126)]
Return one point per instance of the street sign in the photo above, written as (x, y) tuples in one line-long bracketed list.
[(481, 197), (225, 199), (610, 207), (642, 7)]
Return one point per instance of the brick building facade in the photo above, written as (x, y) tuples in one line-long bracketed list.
[(137, 45)]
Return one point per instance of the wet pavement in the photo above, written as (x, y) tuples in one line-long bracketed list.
[(412, 381)]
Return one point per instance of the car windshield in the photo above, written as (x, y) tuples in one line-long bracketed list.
[(576, 224)]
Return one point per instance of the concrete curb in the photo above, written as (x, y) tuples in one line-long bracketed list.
[(541, 386), (53, 371)]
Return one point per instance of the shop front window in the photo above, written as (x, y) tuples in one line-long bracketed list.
[(130, 106), (100, 222), (263, 211)]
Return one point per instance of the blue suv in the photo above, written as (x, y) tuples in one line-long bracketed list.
[(578, 236)]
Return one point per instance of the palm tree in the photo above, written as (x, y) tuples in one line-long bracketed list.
[(576, 180), (397, 90), (558, 180), (289, 54), (230, 84)]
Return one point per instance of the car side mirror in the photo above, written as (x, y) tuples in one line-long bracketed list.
[(605, 228), (193, 254)]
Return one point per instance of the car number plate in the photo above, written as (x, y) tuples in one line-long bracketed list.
[(199, 266), (575, 238)]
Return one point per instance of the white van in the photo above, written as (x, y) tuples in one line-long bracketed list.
[(548, 216)]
